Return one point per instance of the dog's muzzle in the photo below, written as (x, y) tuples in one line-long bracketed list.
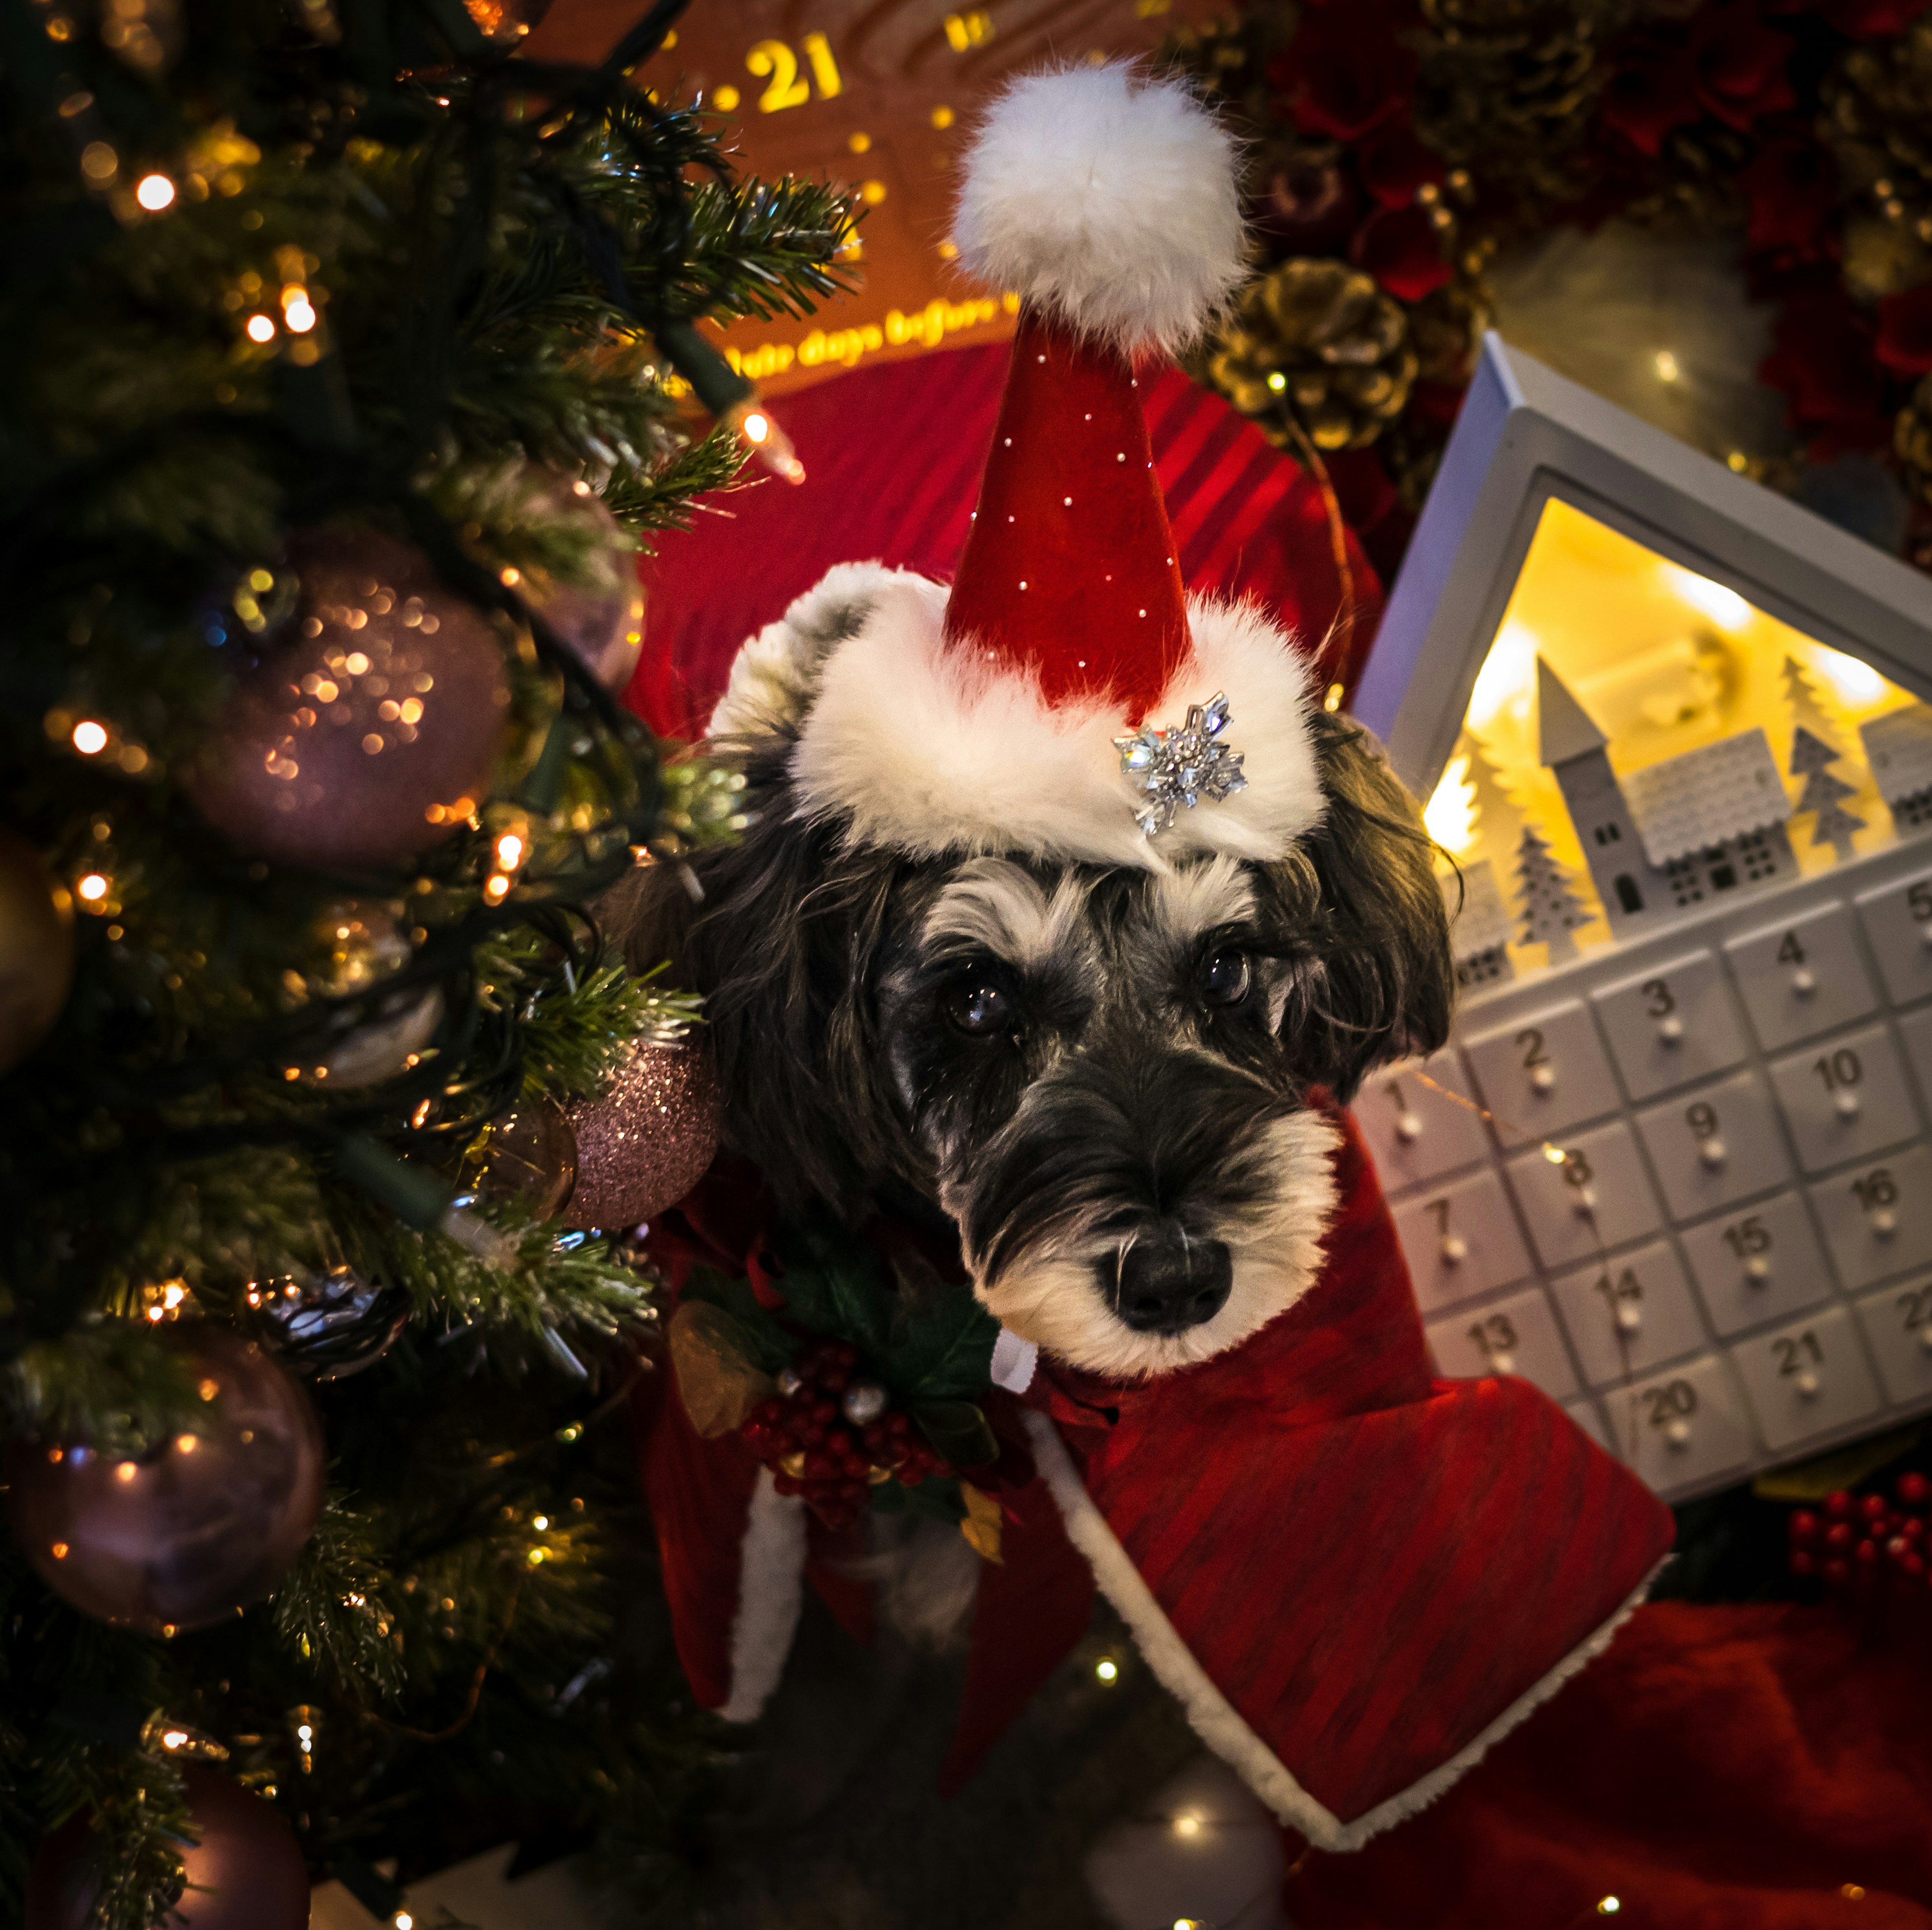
[(1165, 1283)]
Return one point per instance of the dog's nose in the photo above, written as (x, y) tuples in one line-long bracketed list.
[(1167, 1282)]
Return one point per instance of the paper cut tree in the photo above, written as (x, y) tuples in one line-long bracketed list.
[(1497, 814), (1807, 712), (1551, 910), (1810, 755)]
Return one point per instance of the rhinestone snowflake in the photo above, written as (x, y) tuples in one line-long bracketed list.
[(1180, 767)]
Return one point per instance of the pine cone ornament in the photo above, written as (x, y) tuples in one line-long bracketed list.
[(1878, 124), (1320, 340), (1912, 438)]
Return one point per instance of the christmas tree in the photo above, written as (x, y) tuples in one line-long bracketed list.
[(1551, 910), (1497, 814), (1808, 713), (345, 360), (1810, 757)]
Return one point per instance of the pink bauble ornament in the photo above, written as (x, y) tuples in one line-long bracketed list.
[(203, 1523), (246, 1873), (367, 726), (602, 619), (647, 1140)]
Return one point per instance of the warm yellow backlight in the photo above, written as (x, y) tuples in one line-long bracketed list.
[(1450, 816)]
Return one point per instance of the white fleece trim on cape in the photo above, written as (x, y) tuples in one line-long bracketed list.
[(925, 749), (771, 1592), (1215, 1721)]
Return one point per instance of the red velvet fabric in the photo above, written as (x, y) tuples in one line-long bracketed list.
[(1370, 1564), (1071, 571), (893, 454), (1720, 1768)]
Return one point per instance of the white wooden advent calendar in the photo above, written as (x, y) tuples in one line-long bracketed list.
[(1675, 1165)]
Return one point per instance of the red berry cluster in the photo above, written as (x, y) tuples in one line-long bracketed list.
[(1860, 1542), (806, 1434)]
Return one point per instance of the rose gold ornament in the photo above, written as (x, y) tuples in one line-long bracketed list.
[(647, 1140), (202, 1523), (36, 948), (367, 726), (602, 619), (245, 1873)]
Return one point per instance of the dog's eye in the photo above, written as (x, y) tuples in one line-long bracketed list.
[(976, 1007), (1225, 978)]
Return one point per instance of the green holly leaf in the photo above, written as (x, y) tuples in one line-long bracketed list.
[(959, 1430)]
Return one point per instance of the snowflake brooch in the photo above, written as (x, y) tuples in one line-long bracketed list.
[(1180, 767)]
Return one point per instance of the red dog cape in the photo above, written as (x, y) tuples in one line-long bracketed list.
[(1355, 1577)]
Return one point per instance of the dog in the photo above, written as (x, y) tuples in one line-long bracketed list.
[(1108, 1083)]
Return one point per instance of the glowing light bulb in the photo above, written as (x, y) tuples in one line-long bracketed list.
[(757, 427), (89, 737), (1665, 363), (509, 850), (299, 313), (1608, 1907), (1854, 682), (1724, 607), (497, 888), (93, 888), (1106, 1668), (772, 447), (154, 192), (1186, 1825), (186, 1443), (174, 1739), (261, 328)]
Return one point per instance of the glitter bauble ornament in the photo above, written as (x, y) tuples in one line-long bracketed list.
[(528, 1155), (388, 1041), (203, 1523), (366, 726), (647, 1140), (36, 948), (246, 1872), (601, 619), (328, 1327)]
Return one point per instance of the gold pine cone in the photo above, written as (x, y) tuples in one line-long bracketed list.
[(1321, 339)]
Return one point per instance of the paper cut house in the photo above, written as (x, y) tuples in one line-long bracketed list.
[(1707, 821), (1899, 749), (1480, 925)]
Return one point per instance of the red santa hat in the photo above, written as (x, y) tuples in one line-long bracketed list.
[(1066, 697)]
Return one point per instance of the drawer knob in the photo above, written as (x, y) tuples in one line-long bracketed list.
[(1925, 1338), (1542, 1078), (1502, 1363), (1846, 1105), (1925, 936), (1585, 1201), (1803, 982), (1408, 1127), (1678, 1434), (1455, 1249), (1711, 1151), (1884, 1223), (1757, 1269), (1807, 1384), (1629, 1316), (1671, 1029)]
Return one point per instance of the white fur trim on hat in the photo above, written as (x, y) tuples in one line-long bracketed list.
[(924, 749), (1109, 201)]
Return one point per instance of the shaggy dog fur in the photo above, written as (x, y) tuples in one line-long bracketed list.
[(1098, 1077)]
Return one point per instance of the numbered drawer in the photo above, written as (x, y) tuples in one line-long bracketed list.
[(1542, 1073), (1877, 1219), (1518, 1336), (1589, 1417), (1461, 1240), (1915, 1035), (1684, 1428), (1674, 1024), (1415, 1132), (1597, 1198), (1758, 1265), (1809, 1378), (1801, 978), (1846, 1099), (1898, 919), (1898, 1321), (1627, 1316), (1715, 1146)]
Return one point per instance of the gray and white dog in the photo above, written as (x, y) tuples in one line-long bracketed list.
[(1102, 1075)]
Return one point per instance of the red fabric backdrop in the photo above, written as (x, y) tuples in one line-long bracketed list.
[(892, 457)]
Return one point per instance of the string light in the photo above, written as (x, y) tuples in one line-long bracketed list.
[(261, 328), (1187, 1824), (89, 737), (1666, 365), (154, 192), (754, 423), (1106, 1668), (1608, 1907), (298, 312), (93, 888)]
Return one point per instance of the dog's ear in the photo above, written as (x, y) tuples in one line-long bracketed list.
[(1374, 977), (780, 945)]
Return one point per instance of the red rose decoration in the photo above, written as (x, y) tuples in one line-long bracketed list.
[(1740, 64), (1346, 70), (1905, 331), (1394, 163), (1652, 90), (1793, 189), (1398, 246)]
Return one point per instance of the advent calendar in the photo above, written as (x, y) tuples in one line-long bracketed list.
[(1675, 1165)]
